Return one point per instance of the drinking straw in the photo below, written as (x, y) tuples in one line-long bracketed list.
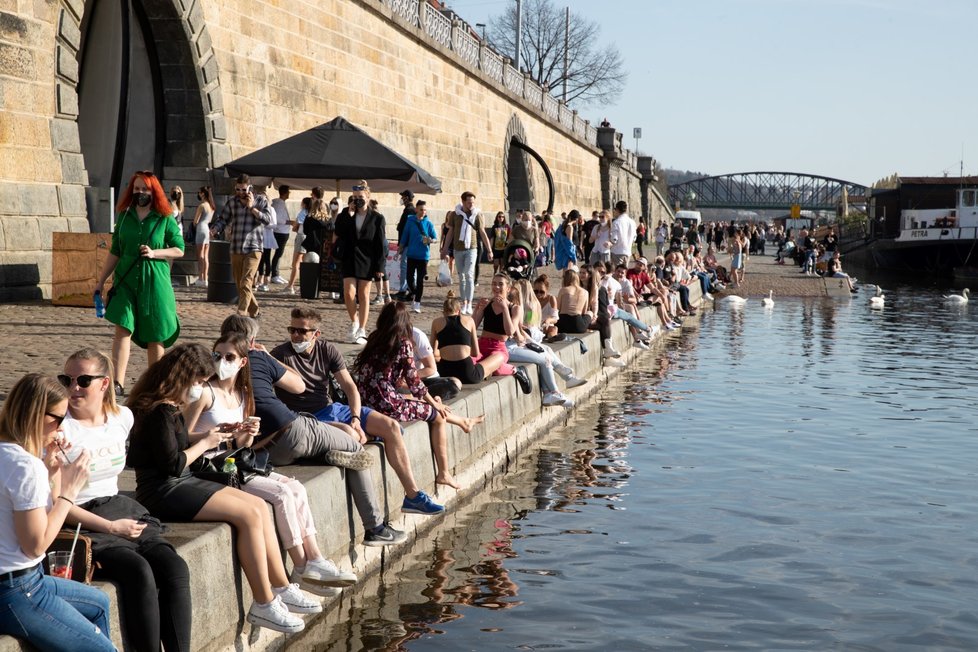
[(71, 555)]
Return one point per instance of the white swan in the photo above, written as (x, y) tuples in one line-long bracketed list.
[(958, 298), (768, 301), (733, 300), (879, 300)]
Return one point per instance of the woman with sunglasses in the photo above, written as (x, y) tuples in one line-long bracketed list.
[(127, 543), (161, 452), (228, 403), (142, 307), (37, 489), (360, 231)]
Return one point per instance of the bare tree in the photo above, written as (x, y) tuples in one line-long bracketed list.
[(595, 70)]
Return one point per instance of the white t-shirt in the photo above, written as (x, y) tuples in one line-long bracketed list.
[(422, 349), (107, 445), (622, 235), (613, 287), (281, 216), (24, 486)]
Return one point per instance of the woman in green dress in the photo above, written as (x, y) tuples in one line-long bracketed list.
[(142, 307)]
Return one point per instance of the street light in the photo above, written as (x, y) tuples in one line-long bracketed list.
[(483, 26), (692, 200)]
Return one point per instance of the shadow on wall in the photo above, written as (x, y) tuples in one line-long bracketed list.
[(20, 282)]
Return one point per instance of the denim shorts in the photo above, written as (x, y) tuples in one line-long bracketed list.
[(341, 413)]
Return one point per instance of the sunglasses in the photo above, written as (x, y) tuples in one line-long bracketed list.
[(359, 188), (293, 330), (241, 190), (57, 417), (83, 381), (539, 293), (230, 357)]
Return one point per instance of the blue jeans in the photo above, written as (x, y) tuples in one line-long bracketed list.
[(54, 614), (519, 354), (630, 319), (465, 266), (404, 282)]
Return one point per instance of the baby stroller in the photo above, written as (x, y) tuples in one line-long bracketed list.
[(518, 258)]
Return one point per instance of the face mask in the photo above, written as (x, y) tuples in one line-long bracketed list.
[(359, 203), (527, 223), (301, 347), (143, 199), (334, 207), (227, 369), (194, 393)]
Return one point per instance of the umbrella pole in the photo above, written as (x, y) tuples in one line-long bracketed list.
[(337, 189)]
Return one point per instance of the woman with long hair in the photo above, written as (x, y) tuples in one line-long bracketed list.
[(298, 227), (142, 307), (599, 302), (38, 487), (127, 543), (500, 321), (360, 231), (574, 309), (455, 343), (499, 236), (202, 230), (565, 253), (176, 200), (387, 362), (228, 402), (548, 305), (161, 452)]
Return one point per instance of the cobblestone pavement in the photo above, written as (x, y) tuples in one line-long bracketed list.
[(763, 274)]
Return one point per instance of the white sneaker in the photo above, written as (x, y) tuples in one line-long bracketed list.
[(708, 296), (278, 280), (553, 398), (361, 336), (263, 287), (296, 602), (315, 589), (416, 306), (325, 572), (574, 381), (639, 344), (275, 616), (654, 331), (610, 351), (354, 331), (614, 362)]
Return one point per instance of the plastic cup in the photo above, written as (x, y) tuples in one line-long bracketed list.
[(58, 564)]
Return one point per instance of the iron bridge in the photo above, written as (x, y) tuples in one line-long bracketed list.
[(766, 190)]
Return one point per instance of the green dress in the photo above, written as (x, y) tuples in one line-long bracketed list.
[(143, 302)]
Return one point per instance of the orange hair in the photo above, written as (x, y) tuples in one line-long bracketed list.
[(161, 203)]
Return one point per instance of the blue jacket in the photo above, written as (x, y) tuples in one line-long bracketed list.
[(411, 242)]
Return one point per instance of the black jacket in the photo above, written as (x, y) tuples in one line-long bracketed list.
[(362, 254)]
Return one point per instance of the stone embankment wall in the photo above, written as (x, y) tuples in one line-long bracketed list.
[(235, 76)]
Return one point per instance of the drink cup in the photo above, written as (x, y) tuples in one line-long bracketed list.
[(58, 564)]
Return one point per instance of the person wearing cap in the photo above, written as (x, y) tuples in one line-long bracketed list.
[(407, 199), (565, 253)]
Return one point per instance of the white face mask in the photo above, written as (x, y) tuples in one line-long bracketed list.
[(194, 393), (227, 369), (301, 347)]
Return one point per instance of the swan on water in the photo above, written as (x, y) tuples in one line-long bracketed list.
[(879, 300), (733, 300), (958, 298), (769, 299)]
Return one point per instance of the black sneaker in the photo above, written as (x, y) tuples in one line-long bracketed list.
[(383, 535), (119, 391), (523, 379)]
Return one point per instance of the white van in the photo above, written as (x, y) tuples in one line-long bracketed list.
[(689, 219)]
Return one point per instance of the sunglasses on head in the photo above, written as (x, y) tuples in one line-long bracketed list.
[(359, 188), (57, 417), (294, 330), (83, 381), (230, 357)]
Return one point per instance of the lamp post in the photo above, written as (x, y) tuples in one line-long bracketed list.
[(483, 26), (691, 200)]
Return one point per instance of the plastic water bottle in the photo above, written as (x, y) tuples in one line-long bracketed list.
[(230, 467), (99, 306)]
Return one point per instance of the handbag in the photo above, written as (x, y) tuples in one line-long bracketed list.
[(220, 477), (82, 567), (249, 462), (441, 387)]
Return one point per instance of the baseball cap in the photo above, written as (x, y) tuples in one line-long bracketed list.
[(407, 193)]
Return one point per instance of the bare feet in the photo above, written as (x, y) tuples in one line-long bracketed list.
[(472, 423), (448, 480)]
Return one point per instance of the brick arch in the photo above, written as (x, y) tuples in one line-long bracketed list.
[(519, 191), (193, 123)]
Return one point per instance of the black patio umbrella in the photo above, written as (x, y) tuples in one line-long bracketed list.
[(335, 154)]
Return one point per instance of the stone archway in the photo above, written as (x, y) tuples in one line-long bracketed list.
[(516, 171), (136, 88)]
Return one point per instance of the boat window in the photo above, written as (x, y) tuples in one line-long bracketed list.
[(967, 197)]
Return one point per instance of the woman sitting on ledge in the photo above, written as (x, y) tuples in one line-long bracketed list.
[(573, 305), (456, 346), (127, 543), (161, 452), (387, 362)]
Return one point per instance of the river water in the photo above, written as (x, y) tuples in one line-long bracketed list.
[(802, 477)]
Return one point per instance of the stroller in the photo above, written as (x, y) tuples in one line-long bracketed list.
[(518, 258)]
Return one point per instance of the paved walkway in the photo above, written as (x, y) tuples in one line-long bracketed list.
[(763, 275)]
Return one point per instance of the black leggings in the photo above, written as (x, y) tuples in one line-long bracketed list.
[(603, 325), (154, 592), (281, 239), (572, 323), (416, 270), (265, 263), (465, 370)]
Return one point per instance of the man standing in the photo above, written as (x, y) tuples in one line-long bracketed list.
[(407, 199), (622, 235), (247, 214), (318, 363), (282, 228), (465, 229), (587, 230)]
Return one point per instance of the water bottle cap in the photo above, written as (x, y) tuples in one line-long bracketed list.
[(229, 459)]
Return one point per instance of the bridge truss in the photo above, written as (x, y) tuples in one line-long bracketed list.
[(766, 191)]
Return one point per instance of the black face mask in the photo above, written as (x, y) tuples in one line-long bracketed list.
[(359, 203), (143, 199)]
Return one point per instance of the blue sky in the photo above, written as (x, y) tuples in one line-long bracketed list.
[(854, 89)]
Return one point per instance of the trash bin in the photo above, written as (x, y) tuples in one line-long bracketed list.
[(309, 275), (221, 287)]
